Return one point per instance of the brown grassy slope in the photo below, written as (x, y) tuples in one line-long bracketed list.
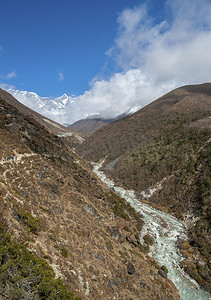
[(127, 133), (89, 125), (168, 141), (50, 199)]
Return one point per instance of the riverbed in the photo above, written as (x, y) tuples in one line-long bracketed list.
[(166, 230)]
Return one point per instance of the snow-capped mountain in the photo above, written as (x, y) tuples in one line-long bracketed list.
[(41, 102), (51, 108), (65, 109)]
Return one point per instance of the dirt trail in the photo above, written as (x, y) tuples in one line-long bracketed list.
[(16, 158)]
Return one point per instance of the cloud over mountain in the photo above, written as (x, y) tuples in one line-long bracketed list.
[(153, 58)]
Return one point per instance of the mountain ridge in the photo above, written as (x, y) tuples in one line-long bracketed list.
[(59, 109), (91, 124)]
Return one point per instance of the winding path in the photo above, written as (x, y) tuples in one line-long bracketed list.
[(17, 157)]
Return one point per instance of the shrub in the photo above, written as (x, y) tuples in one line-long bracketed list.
[(25, 276), (148, 239), (164, 269), (31, 222)]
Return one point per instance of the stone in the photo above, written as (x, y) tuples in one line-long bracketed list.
[(115, 232), (142, 283), (130, 268), (91, 210), (162, 273), (111, 283)]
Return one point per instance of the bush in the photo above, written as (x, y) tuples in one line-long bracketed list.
[(25, 276), (32, 223), (164, 269), (148, 239), (119, 205), (55, 290), (62, 250)]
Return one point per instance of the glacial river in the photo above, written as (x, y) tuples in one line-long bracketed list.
[(165, 234)]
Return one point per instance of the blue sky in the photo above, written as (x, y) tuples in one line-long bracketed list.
[(112, 55), (53, 47)]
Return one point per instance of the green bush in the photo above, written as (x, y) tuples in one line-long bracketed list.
[(25, 276), (148, 239), (62, 250), (31, 222), (55, 290), (119, 205)]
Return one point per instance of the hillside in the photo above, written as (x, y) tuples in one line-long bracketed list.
[(68, 135), (93, 123), (163, 152), (61, 230), (89, 125)]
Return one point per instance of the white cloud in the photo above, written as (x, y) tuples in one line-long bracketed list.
[(61, 76), (5, 86), (112, 97), (154, 57), (11, 75), (170, 50)]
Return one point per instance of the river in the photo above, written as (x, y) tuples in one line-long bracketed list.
[(165, 235)]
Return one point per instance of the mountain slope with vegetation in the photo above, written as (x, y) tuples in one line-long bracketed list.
[(65, 133), (61, 229), (163, 152), (89, 125), (93, 123)]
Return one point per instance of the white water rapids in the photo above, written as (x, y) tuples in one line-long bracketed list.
[(165, 229)]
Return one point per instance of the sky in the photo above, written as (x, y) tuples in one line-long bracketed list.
[(107, 55)]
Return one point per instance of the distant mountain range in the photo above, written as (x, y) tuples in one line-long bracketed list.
[(92, 123), (55, 109), (60, 109)]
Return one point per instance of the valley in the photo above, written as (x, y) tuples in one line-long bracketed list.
[(105, 150), (62, 230), (163, 153), (113, 239)]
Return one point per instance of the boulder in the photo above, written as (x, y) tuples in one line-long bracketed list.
[(130, 268)]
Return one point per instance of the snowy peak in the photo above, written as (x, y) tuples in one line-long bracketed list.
[(41, 101), (64, 109), (51, 108)]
